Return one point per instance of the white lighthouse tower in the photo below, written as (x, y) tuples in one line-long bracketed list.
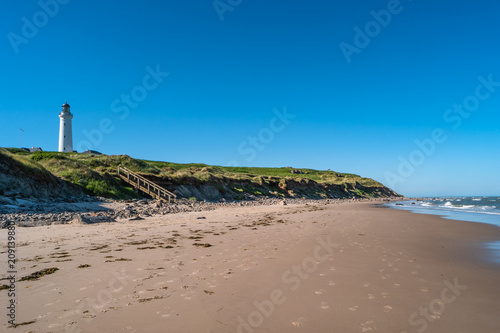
[(65, 131)]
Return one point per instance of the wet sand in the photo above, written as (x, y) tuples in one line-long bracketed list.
[(348, 267)]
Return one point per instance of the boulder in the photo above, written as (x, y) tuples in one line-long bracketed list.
[(81, 219)]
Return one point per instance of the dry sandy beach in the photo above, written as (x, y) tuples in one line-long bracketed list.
[(348, 267)]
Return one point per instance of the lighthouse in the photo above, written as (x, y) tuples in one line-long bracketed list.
[(65, 131)]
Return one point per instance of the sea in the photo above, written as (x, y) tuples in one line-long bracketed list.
[(473, 209)]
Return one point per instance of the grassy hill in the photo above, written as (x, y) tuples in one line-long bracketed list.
[(96, 175)]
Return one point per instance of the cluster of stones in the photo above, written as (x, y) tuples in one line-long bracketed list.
[(49, 214)]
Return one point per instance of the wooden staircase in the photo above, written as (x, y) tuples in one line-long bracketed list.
[(144, 185)]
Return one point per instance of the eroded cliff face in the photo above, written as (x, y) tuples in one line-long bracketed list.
[(70, 178), (19, 180), (215, 189)]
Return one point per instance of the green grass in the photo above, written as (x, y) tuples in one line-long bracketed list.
[(21, 165), (92, 174), (47, 155), (194, 169), (17, 151)]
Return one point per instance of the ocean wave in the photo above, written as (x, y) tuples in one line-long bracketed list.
[(449, 206), (489, 213), (466, 209), (486, 207)]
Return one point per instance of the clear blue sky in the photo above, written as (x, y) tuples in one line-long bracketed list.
[(225, 78)]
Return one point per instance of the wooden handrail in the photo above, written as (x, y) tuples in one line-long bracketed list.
[(147, 186)]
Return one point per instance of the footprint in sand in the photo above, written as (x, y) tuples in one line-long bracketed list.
[(51, 303), (165, 313), (366, 285), (424, 289), (54, 325), (370, 296), (185, 295), (324, 305), (298, 322), (387, 308), (368, 326), (319, 292), (396, 285), (354, 308), (385, 295), (331, 283), (414, 272)]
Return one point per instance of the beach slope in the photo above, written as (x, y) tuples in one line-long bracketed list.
[(345, 267)]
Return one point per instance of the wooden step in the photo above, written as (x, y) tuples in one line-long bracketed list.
[(145, 185)]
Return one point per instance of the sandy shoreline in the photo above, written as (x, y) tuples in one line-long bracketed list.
[(347, 267), (39, 213)]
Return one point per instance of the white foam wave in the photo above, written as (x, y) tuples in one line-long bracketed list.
[(486, 207)]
